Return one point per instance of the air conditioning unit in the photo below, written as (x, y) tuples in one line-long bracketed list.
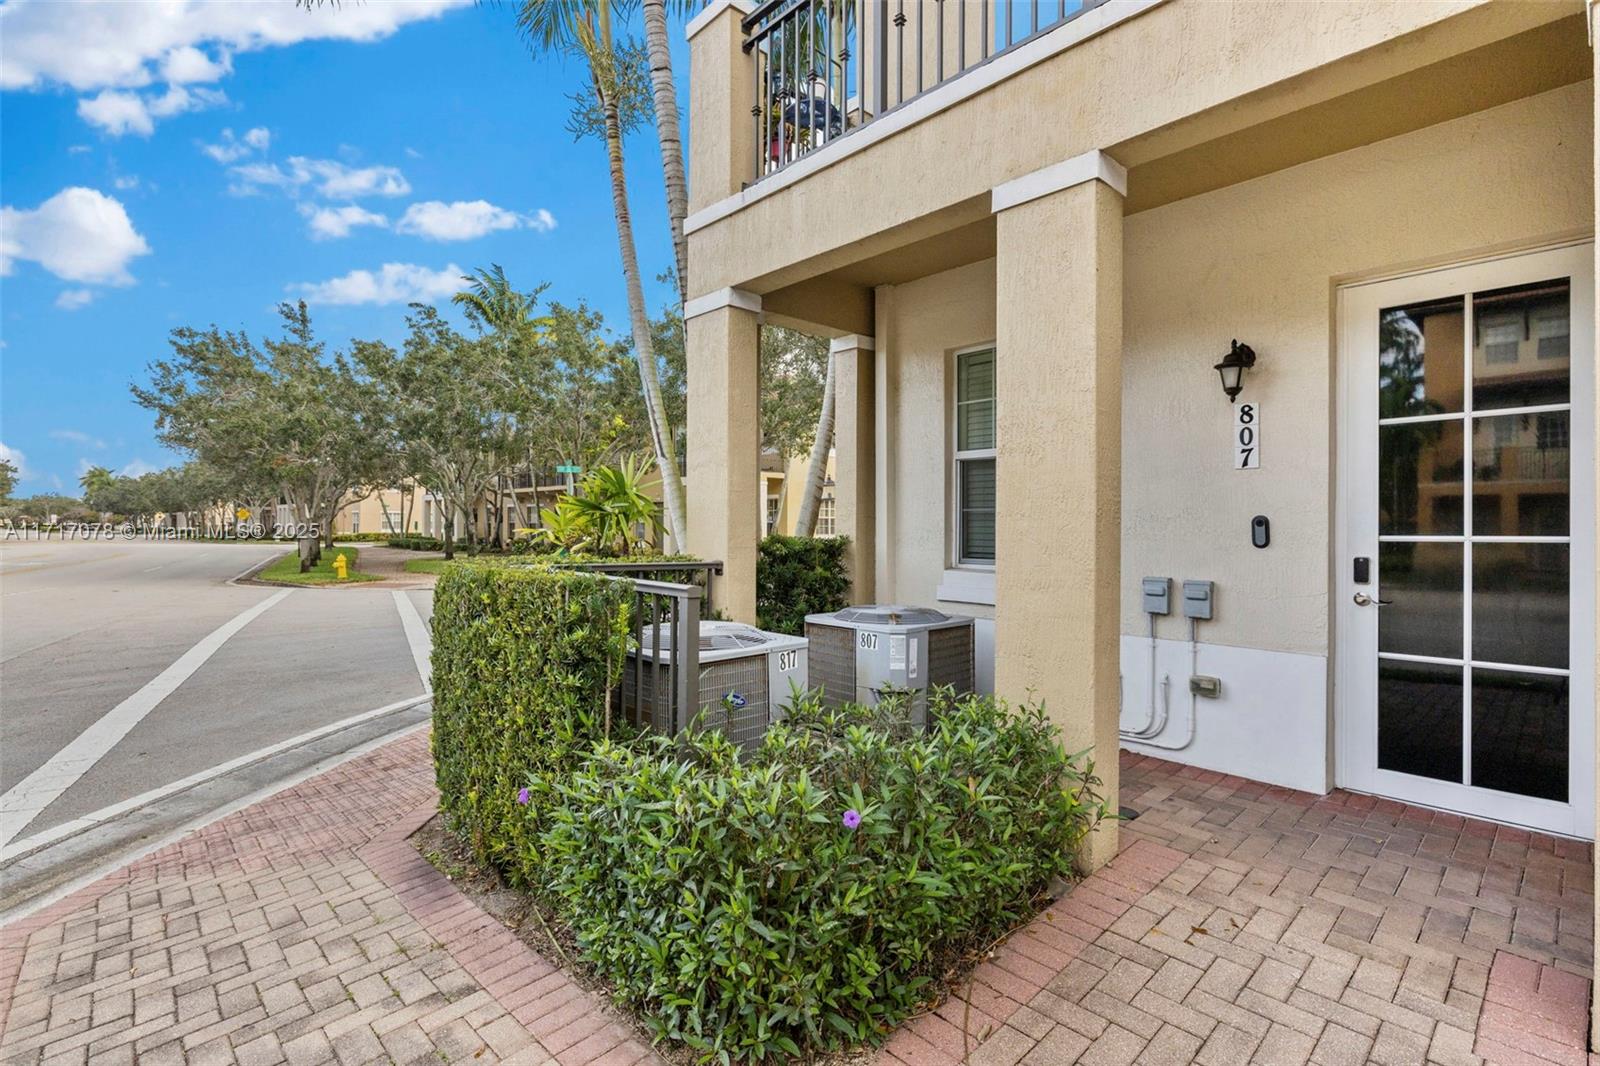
[(745, 676), (860, 653)]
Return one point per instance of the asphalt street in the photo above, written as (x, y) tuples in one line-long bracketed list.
[(126, 666)]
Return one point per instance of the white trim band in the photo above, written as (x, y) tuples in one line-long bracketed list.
[(1090, 166), (711, 11), (717, 300), (853, 342), (977, 79)]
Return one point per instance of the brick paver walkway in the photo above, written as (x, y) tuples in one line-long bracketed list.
[(1240, 923)]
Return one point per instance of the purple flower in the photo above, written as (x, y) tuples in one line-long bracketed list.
[(852, 818), (522, 796)]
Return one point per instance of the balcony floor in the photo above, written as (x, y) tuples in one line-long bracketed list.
[(1247, 923)]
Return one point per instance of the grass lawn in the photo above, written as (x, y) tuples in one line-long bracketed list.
[(287, 568), (426, 566)]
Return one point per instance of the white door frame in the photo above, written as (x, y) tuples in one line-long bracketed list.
[(1355, 534)]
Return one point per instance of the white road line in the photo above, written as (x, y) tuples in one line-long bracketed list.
[(418, 637), (67, 829), (126, 858), (24, 800), (151, 569)]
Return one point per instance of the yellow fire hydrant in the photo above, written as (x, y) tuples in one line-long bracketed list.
[(339, 566)]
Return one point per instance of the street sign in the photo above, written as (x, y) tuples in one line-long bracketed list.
[(569, 468)]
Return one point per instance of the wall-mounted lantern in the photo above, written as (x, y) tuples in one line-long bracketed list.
[(1240, 358)]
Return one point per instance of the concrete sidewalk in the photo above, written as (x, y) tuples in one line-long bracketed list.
[(1240, 923)]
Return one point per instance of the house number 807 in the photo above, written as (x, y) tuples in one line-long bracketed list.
[(1247, 436)]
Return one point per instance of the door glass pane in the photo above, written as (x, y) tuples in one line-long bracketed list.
[(1422, 583), (1419, 477), (1520, 345), (1419, 358), (1419, 719), (1519, 733), (1522, 462), (1519, 603)]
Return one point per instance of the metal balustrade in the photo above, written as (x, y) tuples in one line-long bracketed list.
[(824, 68)]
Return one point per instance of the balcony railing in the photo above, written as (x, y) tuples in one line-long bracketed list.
[(826, 67)]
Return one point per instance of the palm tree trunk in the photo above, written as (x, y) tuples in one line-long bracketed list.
[(665, 97), (811, 502), (639, 320)]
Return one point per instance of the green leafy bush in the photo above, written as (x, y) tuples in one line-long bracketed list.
[(524, 661), (797, 576), (809, 897), (361, 537), (417, 544)]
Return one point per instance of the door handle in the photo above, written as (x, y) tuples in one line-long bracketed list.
[(1363, 600)]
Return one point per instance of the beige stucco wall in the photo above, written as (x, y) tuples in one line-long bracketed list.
[(1231, 64), (927, 320), (1259, 261)]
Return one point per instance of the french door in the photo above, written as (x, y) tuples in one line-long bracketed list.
[(1464, 579)]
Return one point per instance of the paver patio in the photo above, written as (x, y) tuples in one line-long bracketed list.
[(1240, 923)]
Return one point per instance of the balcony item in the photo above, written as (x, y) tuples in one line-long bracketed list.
[(825, 67)]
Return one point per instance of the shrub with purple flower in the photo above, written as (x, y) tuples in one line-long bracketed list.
[(852, 818)]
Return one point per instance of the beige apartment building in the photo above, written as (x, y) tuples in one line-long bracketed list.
[(783, 489), (1287, 307)]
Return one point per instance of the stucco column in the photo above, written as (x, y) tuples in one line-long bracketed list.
[(722, 95), (855, 439), (725, 483), (1058, 350)]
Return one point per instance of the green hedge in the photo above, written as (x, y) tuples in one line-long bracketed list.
[(523, 662), (361, 538), (739, 909), (797, 576), (417, 544)]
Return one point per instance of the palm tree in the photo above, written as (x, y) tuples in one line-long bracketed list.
[(95, 481), (811, 502), (664, 97), (583, 28)]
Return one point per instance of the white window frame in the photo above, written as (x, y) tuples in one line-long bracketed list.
[(964, 580), (827, 517)]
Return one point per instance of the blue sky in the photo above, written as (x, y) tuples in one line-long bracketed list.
[(188, 163)]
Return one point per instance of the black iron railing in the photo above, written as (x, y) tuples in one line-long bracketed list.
[(694, 573), (826, 67)]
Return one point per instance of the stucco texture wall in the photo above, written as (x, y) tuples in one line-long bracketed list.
[(1259, 261)]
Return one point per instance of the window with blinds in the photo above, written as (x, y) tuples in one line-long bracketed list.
[(975, 457)]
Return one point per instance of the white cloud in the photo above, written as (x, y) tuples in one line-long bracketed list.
[(74, 299), (231, 149), (119, 113), (187, 64), (328, 223), (135, 468), (16, 459), (99, 44), (466, 220), (330, 178), (126, 181), (393, 283), (75, 436), (78, 235)]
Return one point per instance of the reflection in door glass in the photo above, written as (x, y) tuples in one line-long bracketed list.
[(1521, 346), (1520, 604), (1422, 583), (1520, 474), (1419, 719), (1419, 358), (1419, 477), (1519, 733)]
